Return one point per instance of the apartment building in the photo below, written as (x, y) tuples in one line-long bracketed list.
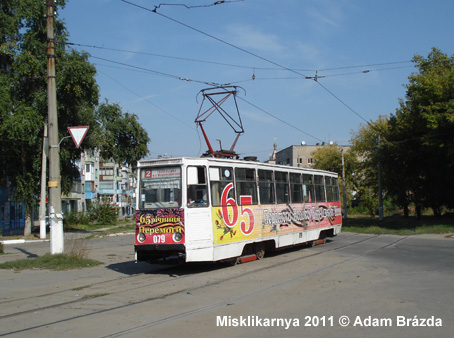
[(100, 179), (300, 155)]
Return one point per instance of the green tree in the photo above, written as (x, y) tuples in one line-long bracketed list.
[(421, 132), (416, 151), (119, 135), (367, 148), (23, 95), (23, 103), (329, 158)]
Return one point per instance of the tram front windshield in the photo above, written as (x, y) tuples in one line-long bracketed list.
[(160, 188)]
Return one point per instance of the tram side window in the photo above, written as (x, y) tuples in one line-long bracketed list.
[(296, 187), (329, 189), (319, 188), (197, 187), (282, 193), (266, 187), (308, 188), (332, 189), (246, 185), (220, 177), (336, 190)]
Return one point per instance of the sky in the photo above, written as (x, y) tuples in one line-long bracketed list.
[(155, 65)]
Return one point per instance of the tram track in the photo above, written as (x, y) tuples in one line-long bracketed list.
[(160, 269), (146, 284)]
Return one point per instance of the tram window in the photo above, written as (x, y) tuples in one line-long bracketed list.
[(282, 195), (329, 189), (296, 188), (246, 185), (336, 189), (160, 187), (308, 188), (197, 187), (266, 187), (332, 189), (319, 188), (220, 177)]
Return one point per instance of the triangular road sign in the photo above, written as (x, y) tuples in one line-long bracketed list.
[(78, 134)]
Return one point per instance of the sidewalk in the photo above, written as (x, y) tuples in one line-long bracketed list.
[(15, 249)]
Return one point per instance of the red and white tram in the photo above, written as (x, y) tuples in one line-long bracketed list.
[(208, 209)]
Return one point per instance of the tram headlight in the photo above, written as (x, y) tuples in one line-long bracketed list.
[(177, 237), (141, 237)]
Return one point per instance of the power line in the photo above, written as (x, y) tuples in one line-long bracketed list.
[(258, 78), (346, 105), (157, 72), (243, 66), (166, 56), (220, 2), (153, 104), (177, 77), (279, 119), (247, 52), (215, 38)]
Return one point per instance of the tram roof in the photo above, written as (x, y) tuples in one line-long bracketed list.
[(234, 162)]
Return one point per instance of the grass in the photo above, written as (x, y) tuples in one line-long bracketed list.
[(399, 225), (50, 262), (127, 224), (96, 295)]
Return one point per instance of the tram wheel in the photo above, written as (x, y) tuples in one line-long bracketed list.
[(260, 254), (235, 261)]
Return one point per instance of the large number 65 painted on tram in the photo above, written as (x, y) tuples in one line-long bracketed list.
[(231, 219)]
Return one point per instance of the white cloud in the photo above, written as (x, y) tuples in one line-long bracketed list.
[(327, 16), (248, 36), (258, 116)]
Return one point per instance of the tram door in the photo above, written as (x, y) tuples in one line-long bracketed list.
[(198, 227)]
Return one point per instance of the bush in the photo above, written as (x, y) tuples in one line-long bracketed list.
[(75, 217), (100, 212), (103, 212)]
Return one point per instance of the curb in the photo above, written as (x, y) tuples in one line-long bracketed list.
[(21, 241)]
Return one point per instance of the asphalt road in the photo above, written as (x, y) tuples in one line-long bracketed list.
[(353, 286)]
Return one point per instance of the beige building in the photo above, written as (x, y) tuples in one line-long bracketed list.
[(300, 156)]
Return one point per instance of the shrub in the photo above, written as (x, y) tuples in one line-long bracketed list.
[(103, 212), (100, 212)]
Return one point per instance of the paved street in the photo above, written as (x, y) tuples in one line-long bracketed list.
[(353, 286)]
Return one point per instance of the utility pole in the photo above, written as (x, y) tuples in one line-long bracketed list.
[(380, 191), (55, 216), (42, 203), (344, 191)]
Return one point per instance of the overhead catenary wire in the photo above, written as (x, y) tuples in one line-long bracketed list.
[(279, 119), (158, 107), (250, 53), (251, 67), (153, 104), (219, 2), (156, 72), (213, 37), (209, 83)]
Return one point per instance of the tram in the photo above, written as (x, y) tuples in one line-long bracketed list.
[(210, 209)]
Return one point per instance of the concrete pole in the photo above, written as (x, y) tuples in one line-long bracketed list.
[(42, 203), (344, 191), (55, 216), (380, 191)]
